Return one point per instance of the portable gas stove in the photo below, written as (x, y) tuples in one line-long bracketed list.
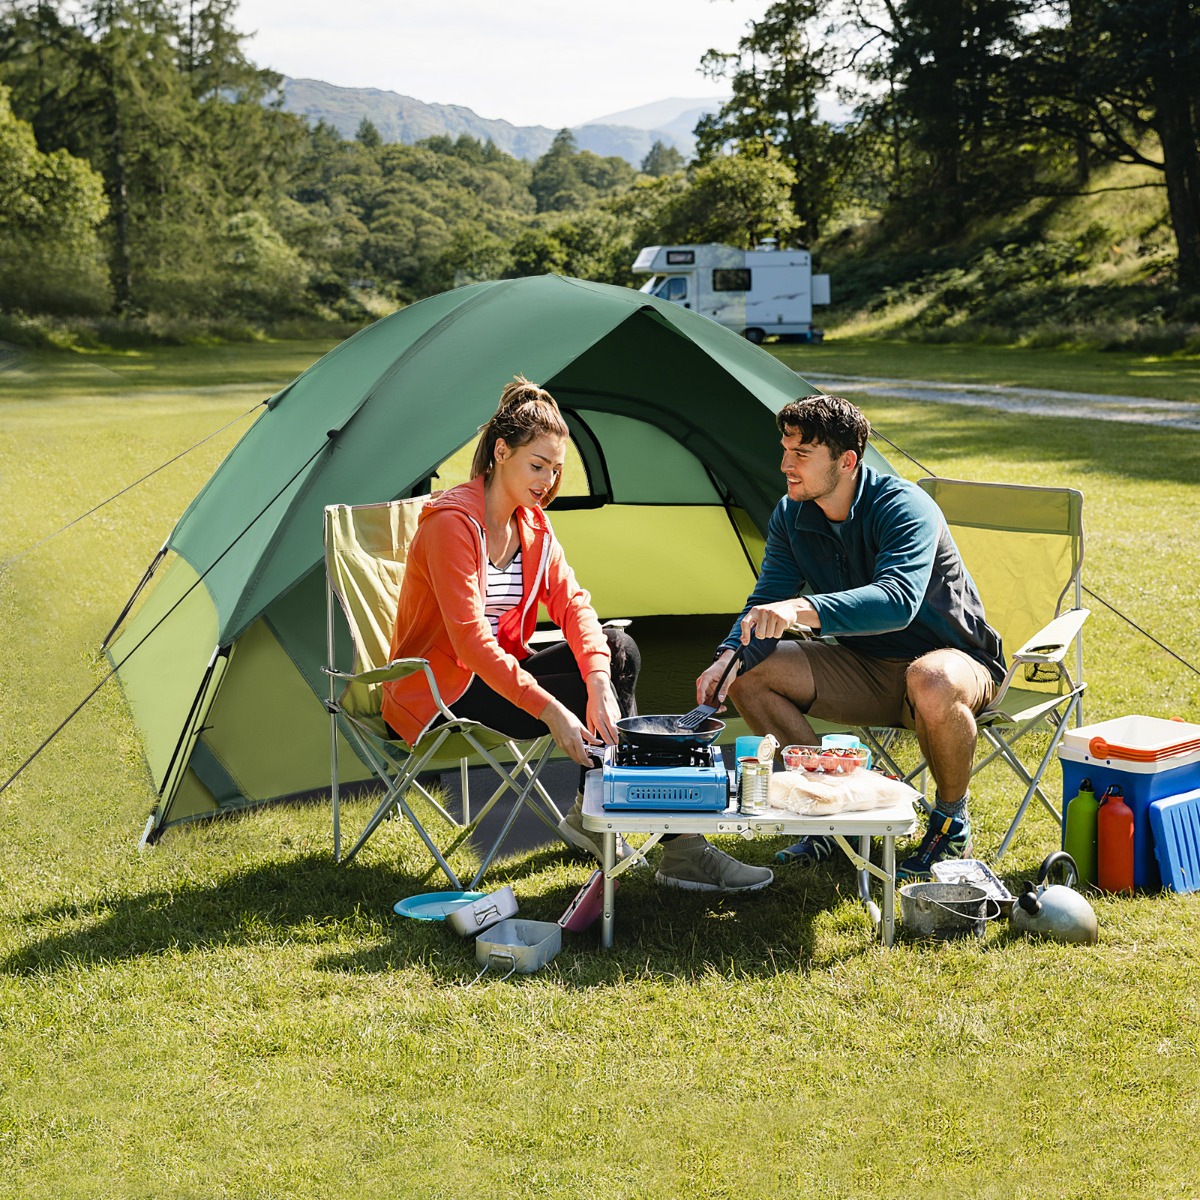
[(688, 779)]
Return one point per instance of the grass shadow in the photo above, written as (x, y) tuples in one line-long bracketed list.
[(270, 903), (659, 932)]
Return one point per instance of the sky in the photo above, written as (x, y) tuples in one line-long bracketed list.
[(531, 62)]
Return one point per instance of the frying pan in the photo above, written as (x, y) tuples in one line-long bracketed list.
[(660, 732)]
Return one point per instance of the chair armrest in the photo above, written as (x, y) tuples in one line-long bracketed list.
[(400, 668), (1052, 642)]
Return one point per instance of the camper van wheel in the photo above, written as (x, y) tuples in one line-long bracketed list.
[(753, 335)]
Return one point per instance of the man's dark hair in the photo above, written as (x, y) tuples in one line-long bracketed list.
[(827, 420)]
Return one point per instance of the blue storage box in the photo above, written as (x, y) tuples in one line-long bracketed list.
[(1141, 783), (1175, 822)]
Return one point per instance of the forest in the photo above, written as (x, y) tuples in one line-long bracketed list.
[(149, 178)]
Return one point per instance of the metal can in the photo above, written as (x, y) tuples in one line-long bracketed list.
[(755, 786)]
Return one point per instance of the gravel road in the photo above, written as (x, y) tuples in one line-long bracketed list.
[(1134, 410)]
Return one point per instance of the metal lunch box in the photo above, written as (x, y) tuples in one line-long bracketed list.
[(483, 913), (519, 945)]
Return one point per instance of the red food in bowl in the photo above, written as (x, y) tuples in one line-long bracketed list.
[(797, 758)]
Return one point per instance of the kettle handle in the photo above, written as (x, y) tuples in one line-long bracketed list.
[(1060, 858)]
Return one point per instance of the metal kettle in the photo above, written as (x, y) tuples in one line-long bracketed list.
[(1056, 910)]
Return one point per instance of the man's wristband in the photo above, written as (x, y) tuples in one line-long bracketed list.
[(721, 650)]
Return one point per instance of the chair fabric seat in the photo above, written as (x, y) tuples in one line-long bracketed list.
[(366, 549)]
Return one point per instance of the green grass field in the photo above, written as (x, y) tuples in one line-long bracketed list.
[(231, 1015)]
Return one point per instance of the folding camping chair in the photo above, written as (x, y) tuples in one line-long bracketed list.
[(366, 548), (1024, 549)]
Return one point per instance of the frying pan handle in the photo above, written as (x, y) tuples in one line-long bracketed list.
[(738, 652)]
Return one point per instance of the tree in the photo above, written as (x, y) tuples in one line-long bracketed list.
[(1123, 78), (568, 178), (777, 74), (735, 198), (368, 135), (157, 96), (943, 73), (51, 206), (662, 159)]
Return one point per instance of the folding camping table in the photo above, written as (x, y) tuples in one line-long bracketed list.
[(884, 823)]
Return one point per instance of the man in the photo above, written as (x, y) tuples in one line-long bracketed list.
[(884, 578)]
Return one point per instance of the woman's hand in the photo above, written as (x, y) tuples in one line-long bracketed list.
[(603, 712), (568, 732)]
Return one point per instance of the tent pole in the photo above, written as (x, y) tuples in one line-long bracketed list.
[(333, 732), (137, 591)]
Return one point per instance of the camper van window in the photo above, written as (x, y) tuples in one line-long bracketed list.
[(672, 288), (681, 258), (731, 279)]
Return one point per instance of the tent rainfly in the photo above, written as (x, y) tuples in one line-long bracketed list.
[(672, 419)]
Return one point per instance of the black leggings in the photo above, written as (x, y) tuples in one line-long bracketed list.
[(557, 672)]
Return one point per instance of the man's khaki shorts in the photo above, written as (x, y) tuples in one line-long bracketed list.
[(857, 689)]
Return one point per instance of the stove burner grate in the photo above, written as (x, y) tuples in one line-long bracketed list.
[(663, 757)]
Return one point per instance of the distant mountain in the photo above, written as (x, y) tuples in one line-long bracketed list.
[(676, 116), (404, 119)]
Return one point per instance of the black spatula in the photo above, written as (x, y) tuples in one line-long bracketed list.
[(701, 713)]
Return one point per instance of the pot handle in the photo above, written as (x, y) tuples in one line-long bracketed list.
[(497, 954), (988, 901)]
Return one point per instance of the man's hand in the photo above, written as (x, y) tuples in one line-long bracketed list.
[(775, 619), (706, 685)]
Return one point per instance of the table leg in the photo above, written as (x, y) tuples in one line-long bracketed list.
[(609, 851), (864, 883), (889, 889)]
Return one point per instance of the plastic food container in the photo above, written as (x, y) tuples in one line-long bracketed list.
[(826, 760), (481, 914)]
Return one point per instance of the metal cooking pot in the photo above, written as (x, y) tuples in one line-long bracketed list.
[(660, 732)]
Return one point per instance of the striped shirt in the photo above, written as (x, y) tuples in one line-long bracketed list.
[(504, 589)]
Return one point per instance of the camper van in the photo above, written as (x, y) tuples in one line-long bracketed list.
[(761, 293)]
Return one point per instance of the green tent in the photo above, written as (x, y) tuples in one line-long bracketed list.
[(675, 477)]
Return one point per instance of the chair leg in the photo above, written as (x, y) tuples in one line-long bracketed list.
[(1034, 781), (512, 781), (520, 802), (395, 799)]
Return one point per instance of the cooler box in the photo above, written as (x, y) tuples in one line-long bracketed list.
[(1148, 758)]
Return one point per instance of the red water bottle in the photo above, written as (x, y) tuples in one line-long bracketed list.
[(1114, 842)]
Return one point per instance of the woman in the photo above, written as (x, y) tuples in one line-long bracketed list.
[(483, 558)]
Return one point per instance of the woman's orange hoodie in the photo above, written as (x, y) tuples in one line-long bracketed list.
[(441, 617)]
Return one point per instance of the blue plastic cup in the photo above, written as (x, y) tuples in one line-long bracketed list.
[(747, 747)]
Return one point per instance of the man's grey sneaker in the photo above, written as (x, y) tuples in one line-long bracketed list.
[(946, 837), (571, 830), (692, 864), (808, 851)]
